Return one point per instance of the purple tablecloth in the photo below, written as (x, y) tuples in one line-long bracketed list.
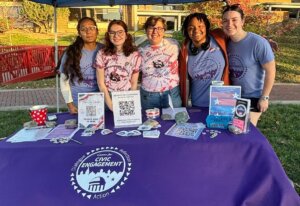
[(111, 170)]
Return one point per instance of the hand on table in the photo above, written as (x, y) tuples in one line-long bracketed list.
[(72, 108)]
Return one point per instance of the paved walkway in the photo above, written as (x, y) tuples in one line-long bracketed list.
[(24, 98)]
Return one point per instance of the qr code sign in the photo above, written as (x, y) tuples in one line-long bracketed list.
[(126, 108), (90, 111)]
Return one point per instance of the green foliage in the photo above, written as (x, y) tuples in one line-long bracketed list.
[(212, 9), (41, 15), (256, 20)]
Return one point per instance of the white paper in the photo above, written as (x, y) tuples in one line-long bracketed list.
[(91, 110), (29, 135), (127, 108), (186, 130)]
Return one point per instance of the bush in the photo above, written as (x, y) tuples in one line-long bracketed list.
[(3, 25)]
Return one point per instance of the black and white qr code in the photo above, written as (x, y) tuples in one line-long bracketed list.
[(90, 111), (126, 108)]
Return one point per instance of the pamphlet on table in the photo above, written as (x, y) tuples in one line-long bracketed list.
[(29, 135), (127, 108), (186, 130), (223, 99), (91, 110), (242, 114)]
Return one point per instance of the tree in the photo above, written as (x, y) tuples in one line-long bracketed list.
[(256, 18), (41, 15)]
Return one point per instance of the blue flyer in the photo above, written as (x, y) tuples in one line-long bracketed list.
[(223, 99)]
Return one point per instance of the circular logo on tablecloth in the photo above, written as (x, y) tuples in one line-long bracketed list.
[(100, 172)]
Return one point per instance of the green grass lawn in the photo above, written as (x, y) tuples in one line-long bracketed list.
[(287, 58)]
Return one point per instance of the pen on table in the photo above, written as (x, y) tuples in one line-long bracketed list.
[(74, 140)]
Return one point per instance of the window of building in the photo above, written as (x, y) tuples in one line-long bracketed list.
[(99, 14)]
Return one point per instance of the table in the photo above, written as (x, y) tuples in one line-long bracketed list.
[(111, 170)]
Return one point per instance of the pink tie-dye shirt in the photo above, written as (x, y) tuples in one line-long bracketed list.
[(160, 66), (118, 69)]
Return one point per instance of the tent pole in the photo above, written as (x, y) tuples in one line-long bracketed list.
[(56, 57)]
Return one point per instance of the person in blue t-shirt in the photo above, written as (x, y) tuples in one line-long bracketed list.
[(203, 59), (251, 61), (76, 69)]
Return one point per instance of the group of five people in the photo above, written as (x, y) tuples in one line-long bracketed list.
[(231, 55)]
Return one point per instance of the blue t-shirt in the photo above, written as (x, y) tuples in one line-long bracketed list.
[(246, 58), (89, 82), (203, 68)]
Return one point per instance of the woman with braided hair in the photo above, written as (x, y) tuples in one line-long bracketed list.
[(77, 74)]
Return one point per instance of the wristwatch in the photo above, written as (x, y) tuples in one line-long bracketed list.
[(264, 98)]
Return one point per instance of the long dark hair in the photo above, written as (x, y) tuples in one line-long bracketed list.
[(73, 52), (128, 46)]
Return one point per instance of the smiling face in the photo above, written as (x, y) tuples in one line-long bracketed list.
[(117, 35), (88, 31), (232, 23), (197, 31), (155, 33)]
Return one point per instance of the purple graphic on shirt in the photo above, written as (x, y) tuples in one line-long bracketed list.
[(206, 69), (236, 67)]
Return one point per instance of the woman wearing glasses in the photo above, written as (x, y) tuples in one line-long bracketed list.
[(76, 68), (203, 59), (159, 67), (118, 63), (251, 61)]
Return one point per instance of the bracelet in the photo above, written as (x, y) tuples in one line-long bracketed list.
[(265, 98)]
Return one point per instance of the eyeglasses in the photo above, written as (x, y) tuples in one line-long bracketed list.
[(231, 7), (152, 29), (118, 33), (86, 29)]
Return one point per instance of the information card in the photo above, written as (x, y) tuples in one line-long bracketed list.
[(127, 108), (91, 110), (223, 99)]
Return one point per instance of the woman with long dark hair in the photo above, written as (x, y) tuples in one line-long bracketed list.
[(118, 63), (76, 69)]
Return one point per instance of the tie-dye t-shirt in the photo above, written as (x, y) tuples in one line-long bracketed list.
[(118, 69), (160, 66)]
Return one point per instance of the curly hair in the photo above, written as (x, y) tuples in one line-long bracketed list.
[(128, 46), (73, 52), (188, 19)]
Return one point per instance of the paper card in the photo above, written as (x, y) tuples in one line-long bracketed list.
[(186, 130), (242, 114), (172, 112), (91, 110), (127, 108), (223, 99), (151, 134), (60, 131), (29, 135)]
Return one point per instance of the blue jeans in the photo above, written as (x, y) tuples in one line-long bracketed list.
[(152, 100)]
